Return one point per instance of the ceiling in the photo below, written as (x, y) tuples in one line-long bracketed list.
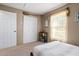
[(35, 8)]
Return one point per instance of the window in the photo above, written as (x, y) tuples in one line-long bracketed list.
[(58, 23)]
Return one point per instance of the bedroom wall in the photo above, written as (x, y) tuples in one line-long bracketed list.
[(73, 27), (19, 22)]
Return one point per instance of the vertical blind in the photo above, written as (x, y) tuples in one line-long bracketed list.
[(58, 23)]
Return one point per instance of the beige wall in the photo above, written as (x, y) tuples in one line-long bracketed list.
[(73, 27), (20, 22), (39, 28), (19, 28)]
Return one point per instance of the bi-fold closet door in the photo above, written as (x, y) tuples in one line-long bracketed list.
[(7, 29), (30, 29)]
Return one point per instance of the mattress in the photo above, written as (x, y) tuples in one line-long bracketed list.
[(56, 48)]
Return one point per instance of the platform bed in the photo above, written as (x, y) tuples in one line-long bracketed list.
[(55, 48)]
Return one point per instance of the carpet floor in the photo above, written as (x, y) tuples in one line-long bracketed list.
[(22, 50)]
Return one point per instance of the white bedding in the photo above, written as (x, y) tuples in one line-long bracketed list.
[(56, 49)]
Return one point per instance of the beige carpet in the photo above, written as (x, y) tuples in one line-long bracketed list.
[(22, 50)]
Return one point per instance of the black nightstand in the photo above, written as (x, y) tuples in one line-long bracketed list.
[(43, 36)]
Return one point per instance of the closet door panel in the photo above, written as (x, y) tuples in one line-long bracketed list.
[(7, 28), (30, 29)]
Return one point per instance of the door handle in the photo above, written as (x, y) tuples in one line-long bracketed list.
[(15, 31)]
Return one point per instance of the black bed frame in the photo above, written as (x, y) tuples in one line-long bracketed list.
[(31, 54)]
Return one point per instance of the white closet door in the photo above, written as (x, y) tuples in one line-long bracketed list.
[(30, 29), (7, 29)]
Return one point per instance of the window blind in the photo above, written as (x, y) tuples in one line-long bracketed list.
[(58, 26)]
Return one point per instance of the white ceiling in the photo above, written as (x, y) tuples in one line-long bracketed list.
[(36, 8)]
